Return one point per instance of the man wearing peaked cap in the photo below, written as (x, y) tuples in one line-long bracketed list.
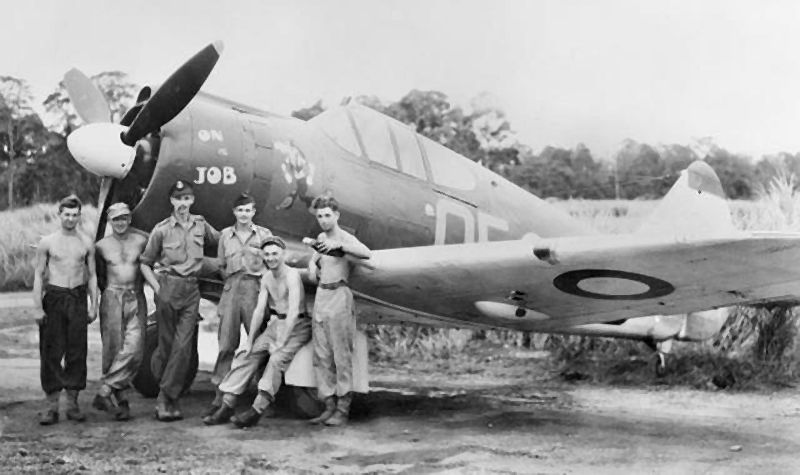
[(180, 188), (176, 245), (123, 310), (241, 266)]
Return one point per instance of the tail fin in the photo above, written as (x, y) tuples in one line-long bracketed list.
[(695, 207)]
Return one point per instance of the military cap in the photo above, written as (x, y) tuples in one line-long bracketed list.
[(273, 240), (180, 188), (118, 209), (243, 199)]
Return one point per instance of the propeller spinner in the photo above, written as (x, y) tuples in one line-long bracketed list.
[(106, 149)]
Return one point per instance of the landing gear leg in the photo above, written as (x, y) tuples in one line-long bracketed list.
[(663, 349)]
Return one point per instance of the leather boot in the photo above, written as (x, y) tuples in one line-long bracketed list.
[(342, 414), (175, 410), (73, 410), (249, 418), (124, 411), (123, 407), (50, 415), (215, 405), (104, 403), (162, 408), (222, 416), (330, 408)]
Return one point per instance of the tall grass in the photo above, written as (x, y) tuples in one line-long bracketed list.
[(20, 232)]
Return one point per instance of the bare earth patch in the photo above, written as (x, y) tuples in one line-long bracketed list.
[(476, 414)]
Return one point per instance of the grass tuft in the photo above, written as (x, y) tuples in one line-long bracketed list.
[(20, 232)]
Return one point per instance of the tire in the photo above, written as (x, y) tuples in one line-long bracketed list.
[(144, 382), (302, 402)]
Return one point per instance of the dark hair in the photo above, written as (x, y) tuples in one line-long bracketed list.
[(71, 202), (321, 202), (273, 241), (243, 199)]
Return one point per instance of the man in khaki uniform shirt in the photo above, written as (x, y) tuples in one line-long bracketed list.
[(241, 266), (175, 252)]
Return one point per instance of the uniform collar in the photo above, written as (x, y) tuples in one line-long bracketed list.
[(173, 221), (232, 229)]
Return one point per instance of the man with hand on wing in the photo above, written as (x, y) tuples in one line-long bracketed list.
[(334, 311)]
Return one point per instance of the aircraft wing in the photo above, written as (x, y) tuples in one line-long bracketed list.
[(544, 284)]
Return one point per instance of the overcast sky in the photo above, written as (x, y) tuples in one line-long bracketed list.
[(564, 71)]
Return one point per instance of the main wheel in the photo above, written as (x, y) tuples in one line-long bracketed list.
[(302, 402), (144, 382)]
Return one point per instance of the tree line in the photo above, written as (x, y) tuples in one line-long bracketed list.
[(36, 166)]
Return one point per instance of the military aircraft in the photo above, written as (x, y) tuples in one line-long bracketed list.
[(455, 244)]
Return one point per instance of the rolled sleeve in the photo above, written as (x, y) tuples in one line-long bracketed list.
[(211, 234), (152, 250)]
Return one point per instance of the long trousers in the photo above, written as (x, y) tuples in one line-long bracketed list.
[(244, 367), (123, 313), (177, 306), (334, 334), (62, 336), (236, 305)]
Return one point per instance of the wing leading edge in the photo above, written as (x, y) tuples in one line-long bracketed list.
[(550, 283)]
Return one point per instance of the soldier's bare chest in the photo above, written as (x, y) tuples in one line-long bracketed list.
[(122, 251), (68, 250)]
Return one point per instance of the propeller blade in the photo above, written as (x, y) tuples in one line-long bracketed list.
[(176, 92), (89, 102), (144, 95)]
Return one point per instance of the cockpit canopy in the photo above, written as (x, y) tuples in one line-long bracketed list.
[(387, 142)]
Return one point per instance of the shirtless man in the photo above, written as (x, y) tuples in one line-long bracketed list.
[(289, 328), (123, 311), (337, 251), (61, 309)]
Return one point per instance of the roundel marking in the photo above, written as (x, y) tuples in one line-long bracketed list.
[(609, 284)]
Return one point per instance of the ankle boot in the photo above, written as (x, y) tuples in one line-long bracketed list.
[(248, 418), (73, 410), (330, 408), (163, 408), (342, 414), (50, 414), (221, 416)]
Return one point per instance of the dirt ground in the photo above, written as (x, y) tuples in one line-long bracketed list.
[(493, 414)]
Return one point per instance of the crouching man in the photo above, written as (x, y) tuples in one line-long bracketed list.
[(123, 311), (288, 330)]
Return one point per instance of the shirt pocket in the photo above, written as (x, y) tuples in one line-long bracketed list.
[(195, 245), (251, 258), (174, 252)]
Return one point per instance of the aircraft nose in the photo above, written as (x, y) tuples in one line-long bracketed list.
[(98, 148)]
